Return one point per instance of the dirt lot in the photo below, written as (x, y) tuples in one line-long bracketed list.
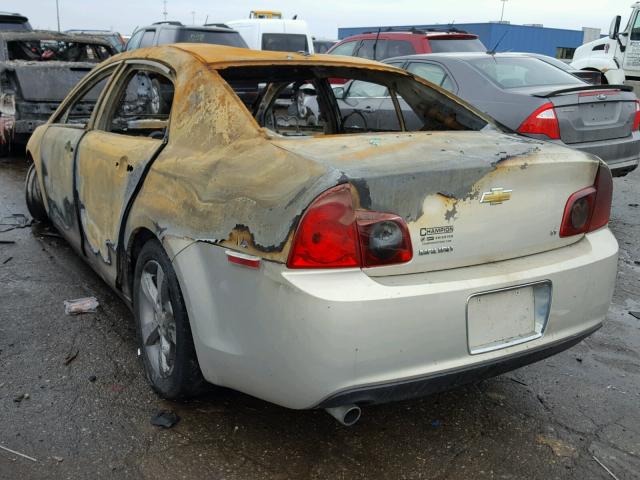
[(89, 416)]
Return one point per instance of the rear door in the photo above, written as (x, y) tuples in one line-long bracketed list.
[(58, 149), (130, 131)]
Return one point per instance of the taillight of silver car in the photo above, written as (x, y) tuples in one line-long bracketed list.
[(332, 234), (542, 122), (589, 209), (636, 118)]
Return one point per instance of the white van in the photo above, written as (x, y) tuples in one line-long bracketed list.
[(275, 34)]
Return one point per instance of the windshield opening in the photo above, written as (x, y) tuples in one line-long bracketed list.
[(57, 50), (522, 72), (300, 101)]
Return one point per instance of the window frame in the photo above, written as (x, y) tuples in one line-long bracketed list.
[(153, 31), (134, 41), (112, 71), (355, 43), (108, 106), (439, 65)]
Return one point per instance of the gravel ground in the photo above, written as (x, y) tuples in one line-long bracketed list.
[(89, 416)]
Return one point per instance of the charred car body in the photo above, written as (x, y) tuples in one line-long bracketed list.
[(321, 264), (37, 70)]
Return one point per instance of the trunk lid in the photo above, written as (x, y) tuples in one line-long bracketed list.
[(468, 197), (48, 81), (591, 114)]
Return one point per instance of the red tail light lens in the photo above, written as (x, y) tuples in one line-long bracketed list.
[(332, 235), (636, 117), (384, 239), (327, 236), (542, 122), (589, 209)]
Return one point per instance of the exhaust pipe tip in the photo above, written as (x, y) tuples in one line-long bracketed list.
[(347, 415)]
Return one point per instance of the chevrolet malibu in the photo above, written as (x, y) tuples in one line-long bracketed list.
[(325, 263)]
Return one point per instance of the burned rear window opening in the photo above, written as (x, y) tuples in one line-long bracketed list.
[(57, 50), (299, 100)]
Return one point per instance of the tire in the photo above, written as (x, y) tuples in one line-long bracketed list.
[(164, 335), (35, 205)]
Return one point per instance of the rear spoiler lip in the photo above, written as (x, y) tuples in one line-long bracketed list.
[(624, 88)]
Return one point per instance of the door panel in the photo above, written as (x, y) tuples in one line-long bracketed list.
[(110, 166), (57, 151)]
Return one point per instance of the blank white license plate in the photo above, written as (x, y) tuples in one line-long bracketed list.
[(500, 319)]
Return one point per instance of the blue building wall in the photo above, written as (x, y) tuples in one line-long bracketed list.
[(517, 38)]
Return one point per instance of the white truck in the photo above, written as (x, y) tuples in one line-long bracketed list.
[(274, 33), (616, 56)]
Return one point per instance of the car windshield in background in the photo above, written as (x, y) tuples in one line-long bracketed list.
[(522, 72), (229, 39), (456, 45), (371, 101), (284, 42), (57, 50)]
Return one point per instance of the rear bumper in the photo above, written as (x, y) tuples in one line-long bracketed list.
[(430, 384), (621, 154), (304, 339)]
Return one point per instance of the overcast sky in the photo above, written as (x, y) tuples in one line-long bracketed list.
[(324, 16)]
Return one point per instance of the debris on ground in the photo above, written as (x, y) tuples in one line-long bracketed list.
[(7, 260), (117, 388), (22, 396), (436, 423), (18, 453), (558, 447), (605, 468), (635, 314), (71, 357), (13, 221), (81, 305), (634, 205), (7, 242), (165, 419), (579, 359), (58, 459), (93, 378)]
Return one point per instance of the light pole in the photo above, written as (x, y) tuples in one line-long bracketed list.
[(502, 14), (193, 18), (58, 14), (164, 12)]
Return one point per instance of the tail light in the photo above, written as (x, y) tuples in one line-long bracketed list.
[(636, 117), (589, 209), (331, 234), (542, 122)]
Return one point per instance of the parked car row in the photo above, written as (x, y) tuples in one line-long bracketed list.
[(332, 263), (329, 231)]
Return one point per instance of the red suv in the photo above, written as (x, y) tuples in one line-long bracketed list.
[(387, 44)]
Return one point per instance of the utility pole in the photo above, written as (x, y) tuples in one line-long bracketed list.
[(164, 12), (58, 14), (502, 14), (193, 17)]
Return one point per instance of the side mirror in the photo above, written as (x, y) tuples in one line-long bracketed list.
[(339, 92), (614, 28)]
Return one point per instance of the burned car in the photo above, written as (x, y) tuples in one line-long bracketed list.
[(37, 71), (326, 263)]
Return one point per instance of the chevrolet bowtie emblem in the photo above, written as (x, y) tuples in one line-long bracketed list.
[(496, 196)]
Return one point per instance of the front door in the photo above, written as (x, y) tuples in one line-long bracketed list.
[(113, 158)]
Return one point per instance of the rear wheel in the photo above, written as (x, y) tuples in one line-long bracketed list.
[(163, 330), (35, 205)]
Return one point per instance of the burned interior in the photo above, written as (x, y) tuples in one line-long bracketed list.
[(49, 50), (302, 101)]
